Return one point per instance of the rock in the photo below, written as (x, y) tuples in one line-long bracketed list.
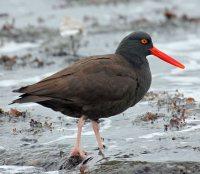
[(29, 140), (136, 167), (2, 149), (69, 163)]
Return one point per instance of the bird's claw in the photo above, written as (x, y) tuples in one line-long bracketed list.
[(78, 152), (101, 152), (103, 147)]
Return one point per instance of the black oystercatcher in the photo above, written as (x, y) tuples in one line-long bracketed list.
[(99, 86)]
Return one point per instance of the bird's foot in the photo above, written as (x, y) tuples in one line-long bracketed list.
[(103, 144), (101, 149), (78, 152)]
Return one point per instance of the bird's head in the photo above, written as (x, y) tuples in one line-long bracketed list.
[(138, 45)]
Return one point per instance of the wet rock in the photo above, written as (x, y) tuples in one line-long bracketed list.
[(34, 162), (27, 34), (1, 111), (60, 53), (8, 61), (186, 18), (3, 15), (136, 167), (40, 20), (145, 152), (37, 63), (35, 124), (9, 26), (196, 149), (166, 127), (29, 140), (71, 162), (173, 138), (2, 149), (39, 127)]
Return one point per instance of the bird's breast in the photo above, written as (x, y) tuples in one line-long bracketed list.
[(143, 84)]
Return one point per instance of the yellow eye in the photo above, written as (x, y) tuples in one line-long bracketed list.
[(144, 41)]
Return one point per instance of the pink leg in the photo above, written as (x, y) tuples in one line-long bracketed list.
[(77, 151), (95, 127)]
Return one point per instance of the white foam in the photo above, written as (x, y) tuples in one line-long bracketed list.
[(25, 105), (192, 120), (188, 129), (129, 139), (52, 172), (68, 129), (13, 47), (147, 136), (6, 83), (69, 32), (16, 169), (192, 128), (183, 80)]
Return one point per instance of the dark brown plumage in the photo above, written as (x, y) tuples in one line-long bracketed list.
[(99, 86)]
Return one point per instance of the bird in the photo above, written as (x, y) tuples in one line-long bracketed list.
[(72, 30), (99, 86)]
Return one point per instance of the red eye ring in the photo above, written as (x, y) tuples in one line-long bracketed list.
[(144, 41)]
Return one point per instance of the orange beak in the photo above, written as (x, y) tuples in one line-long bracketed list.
[(156, 52)]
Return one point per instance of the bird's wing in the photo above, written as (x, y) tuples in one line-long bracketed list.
[(91, 79)]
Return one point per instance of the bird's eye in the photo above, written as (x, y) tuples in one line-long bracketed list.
[(144, 41)]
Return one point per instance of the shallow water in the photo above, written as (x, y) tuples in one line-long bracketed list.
[(142, 141)]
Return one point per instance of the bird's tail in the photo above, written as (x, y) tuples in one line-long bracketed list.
[(20, 90), (25, 98)]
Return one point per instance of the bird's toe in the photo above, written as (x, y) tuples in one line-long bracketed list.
[(78, 152)]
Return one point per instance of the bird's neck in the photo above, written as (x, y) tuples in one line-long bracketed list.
[(134, 59)]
